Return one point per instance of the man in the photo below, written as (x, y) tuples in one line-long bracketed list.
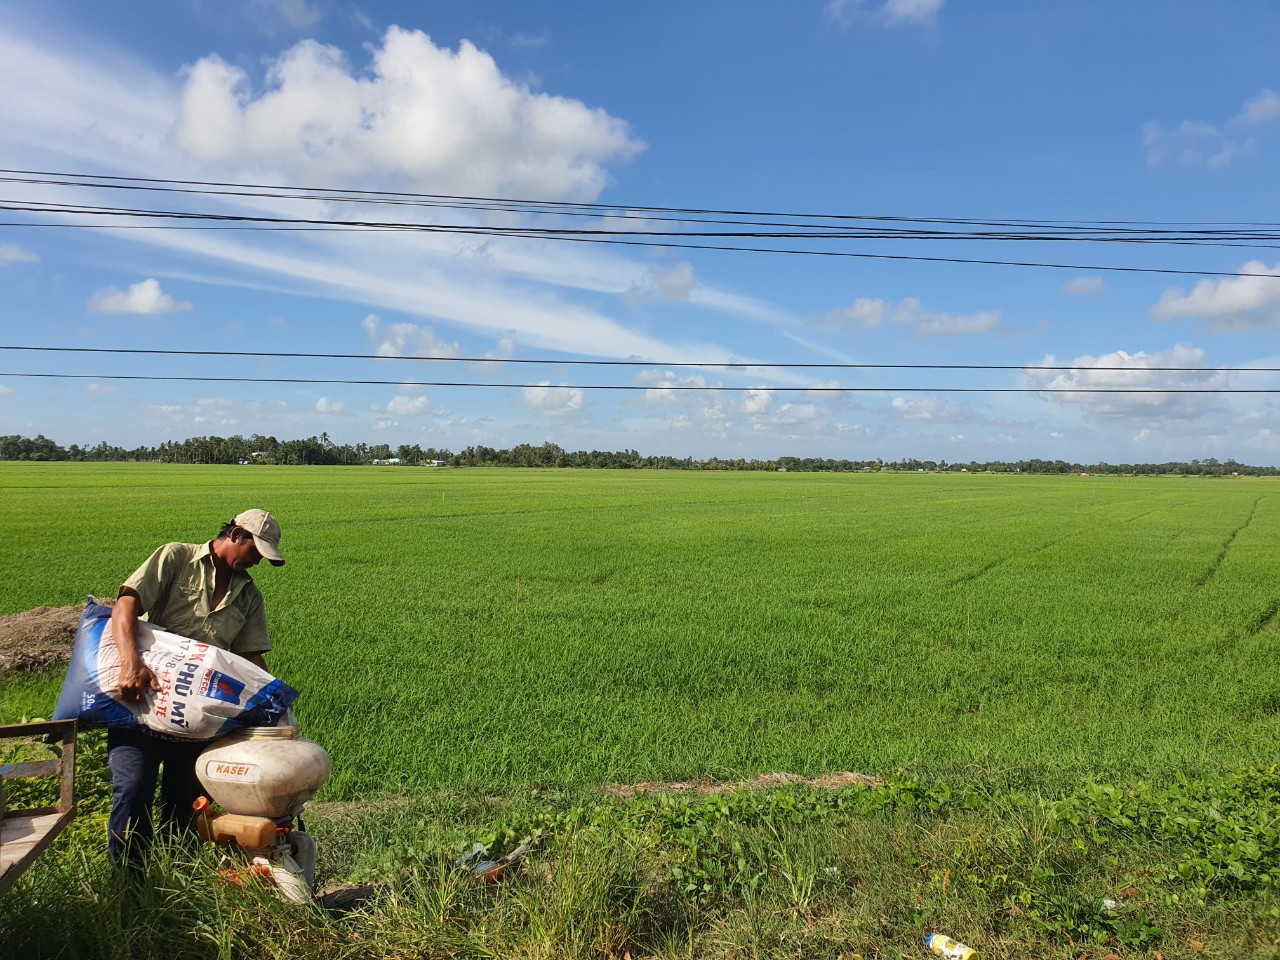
[(201, 591)]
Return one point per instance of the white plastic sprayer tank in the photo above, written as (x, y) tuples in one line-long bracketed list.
[(263, 771)]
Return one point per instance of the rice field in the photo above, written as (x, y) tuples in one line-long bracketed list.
[(500, 628)]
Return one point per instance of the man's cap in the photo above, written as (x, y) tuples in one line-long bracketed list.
[(266, 533)]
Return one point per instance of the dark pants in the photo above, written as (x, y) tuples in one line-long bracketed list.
[(135, 758)]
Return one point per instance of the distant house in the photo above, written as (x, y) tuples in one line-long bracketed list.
[(433, 463), (391, 462)]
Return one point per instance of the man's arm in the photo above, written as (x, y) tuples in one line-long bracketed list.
[(135, 676), (257, 660)]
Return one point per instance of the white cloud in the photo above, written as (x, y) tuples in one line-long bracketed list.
[(845, 13), (1083, 286), (5, 391), (929, 409), (1232, 303), (720, 415), (1199, 143), (1121, 371), (405, 339), (552, 401), (1261, 109), (1142, 436), (504, 349), (331, 407), (866, 313), (144, 297), (527, 41), (296, 15), (12, 253), (663, 390), (93, 105), (104, 389), (1055, 435), (403, 405), (668, 284), (426, 115), (1192, 143), (756, 401), (792, 414), (97, 107), (224, 413)]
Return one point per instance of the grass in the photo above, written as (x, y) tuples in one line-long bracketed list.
[(790, 872), (501, 627), (1067, 683)]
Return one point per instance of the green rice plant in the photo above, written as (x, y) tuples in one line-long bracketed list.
[(493, 630)]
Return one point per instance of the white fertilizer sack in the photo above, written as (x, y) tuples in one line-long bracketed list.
[(205, 692)]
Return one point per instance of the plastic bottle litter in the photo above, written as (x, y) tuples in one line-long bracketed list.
[(951, 949)]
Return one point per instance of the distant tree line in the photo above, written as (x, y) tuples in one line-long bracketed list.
[(321, 450)]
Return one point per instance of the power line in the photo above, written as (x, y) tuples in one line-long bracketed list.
[(801, 231), (712, 364), (825, 230), (633, 387), (83, 179), (197, 220), (270, 223)]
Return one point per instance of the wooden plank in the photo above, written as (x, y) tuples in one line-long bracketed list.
[(67, 796), (31, 768), (22, 839), (59, 728), (25, 834)]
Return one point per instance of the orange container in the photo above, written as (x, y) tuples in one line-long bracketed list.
[(256, 833)]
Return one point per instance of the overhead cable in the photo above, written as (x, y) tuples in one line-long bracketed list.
[(710, 364), (81, 179), (632, 387), (270, 223)]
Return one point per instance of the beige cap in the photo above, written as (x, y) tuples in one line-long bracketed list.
[(266, 533)]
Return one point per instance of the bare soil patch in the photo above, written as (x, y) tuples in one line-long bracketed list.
[(38, 638), (766, 781)]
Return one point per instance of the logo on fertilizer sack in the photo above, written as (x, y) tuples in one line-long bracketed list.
[(218, 686)]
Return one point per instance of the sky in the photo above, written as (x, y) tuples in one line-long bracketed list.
[(1087, 111)]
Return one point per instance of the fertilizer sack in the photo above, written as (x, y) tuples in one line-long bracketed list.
[(205, 692)]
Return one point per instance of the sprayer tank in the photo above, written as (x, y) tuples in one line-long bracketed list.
[(263, 771)]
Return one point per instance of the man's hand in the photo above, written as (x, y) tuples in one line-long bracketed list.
[(135, 680), (136, 677)]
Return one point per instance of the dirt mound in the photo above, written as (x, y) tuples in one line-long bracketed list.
[(828, 781), (38, 638)]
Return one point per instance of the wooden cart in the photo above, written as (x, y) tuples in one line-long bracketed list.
[(25, 834)]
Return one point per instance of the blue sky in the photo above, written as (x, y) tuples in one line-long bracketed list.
[(914, 108)]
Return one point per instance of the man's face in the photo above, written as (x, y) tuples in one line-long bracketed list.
[(244, 552)]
